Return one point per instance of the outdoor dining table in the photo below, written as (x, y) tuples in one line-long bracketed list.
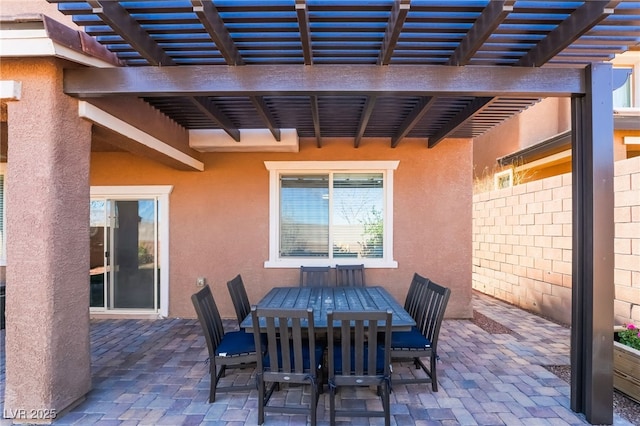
[(323, 299)]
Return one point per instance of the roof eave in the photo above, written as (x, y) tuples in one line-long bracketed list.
[(37, 35)]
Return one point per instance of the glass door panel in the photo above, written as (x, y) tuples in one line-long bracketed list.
[(134, 255), (98, 250), (124, 247)]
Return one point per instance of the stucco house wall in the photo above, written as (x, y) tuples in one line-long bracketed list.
[(219, 218), (522, 244), (543, 120)]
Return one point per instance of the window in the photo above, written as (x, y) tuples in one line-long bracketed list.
[(622, 95), (328, 212), (503, 179)]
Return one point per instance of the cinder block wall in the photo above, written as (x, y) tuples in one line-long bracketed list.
[(627, 241), (522, 244)]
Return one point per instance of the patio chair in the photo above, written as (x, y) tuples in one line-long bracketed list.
[(350, 276), (235, 349), (412, 300), (239, 298), (314, 276), (422, 340), (359, 355), (291, 357)]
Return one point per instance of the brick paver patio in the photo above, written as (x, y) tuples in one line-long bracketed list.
[(153, 372)]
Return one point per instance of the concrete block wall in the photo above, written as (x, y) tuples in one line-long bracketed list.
[(522, 244), (627, 241)]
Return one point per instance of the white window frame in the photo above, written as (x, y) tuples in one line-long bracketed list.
[(276, 168), (161, 192), (503, 179)]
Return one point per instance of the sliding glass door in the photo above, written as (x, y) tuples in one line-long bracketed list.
[(125, 267)]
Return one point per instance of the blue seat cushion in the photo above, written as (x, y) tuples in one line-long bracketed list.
[(337, 355), (305, 356), (236, 343), (412, 339)]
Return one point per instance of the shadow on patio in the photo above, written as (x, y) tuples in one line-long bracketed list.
[(154, 372)]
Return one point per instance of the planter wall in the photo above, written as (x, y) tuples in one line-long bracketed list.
[(626, 370)]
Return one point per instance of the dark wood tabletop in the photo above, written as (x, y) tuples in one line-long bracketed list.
[(323, 299)]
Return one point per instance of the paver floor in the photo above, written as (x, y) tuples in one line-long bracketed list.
[(153, 372)]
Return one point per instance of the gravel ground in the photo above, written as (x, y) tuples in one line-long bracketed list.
[(622, 405)]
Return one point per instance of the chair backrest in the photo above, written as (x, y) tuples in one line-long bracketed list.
[(209, 318), (314, 276), (412, 301), (239, 297), (354, 334), (350, 276), (288, 331), (434, 303)]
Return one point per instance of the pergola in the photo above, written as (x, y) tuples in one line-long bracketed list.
[(356, 69), (383, 69)]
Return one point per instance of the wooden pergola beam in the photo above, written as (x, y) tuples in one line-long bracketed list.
[(263, 111), (213, 23), (305, 31), (208, 108), (490, 18), (315, 114), (394, 28), (578, 23), (364, 119), (413, 119), (116, 16), (286, 80), (477, 105)]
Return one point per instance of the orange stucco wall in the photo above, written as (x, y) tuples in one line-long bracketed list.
[(546, 119), (543, 120), (219, 218), (622, 151)]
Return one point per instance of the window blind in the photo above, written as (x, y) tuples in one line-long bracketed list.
[(304, 216), (357, 221), (332, 215)]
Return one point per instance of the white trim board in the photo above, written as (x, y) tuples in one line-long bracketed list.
[(162, 193)]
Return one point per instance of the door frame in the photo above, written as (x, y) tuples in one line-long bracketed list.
[(161, 193)]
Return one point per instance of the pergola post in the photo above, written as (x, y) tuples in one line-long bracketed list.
[(48, 360), (593, 235)]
